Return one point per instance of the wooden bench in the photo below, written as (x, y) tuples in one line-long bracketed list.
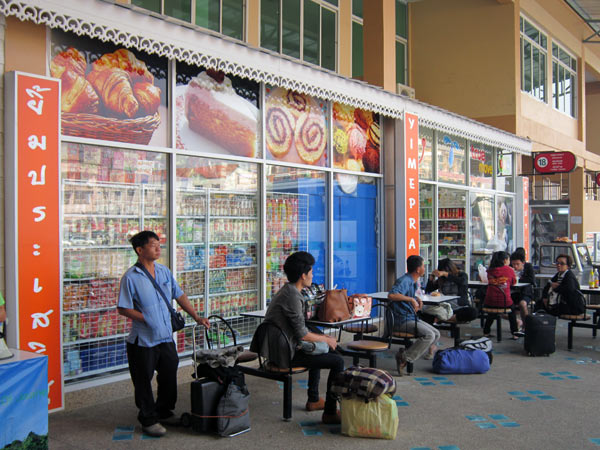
[(596, 309), (369, 337), (272, 339)]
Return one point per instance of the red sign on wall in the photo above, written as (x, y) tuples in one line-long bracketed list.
[(598, 178), (554, 162), (411, 167), (34, 164)]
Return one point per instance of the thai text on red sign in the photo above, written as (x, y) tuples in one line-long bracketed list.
[(38, 251)]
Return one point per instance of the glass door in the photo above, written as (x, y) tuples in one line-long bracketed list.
[(426, 228), (452, 232), (482, 231)]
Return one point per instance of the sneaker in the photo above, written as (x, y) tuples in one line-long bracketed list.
[(319, 405), (332, 419), (156, 430), (171, 421), (400, 361)]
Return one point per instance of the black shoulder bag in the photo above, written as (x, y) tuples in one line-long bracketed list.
[(177, 320)]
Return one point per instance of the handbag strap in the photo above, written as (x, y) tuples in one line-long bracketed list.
[(156, 286)]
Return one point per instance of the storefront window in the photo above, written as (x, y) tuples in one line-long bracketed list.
[(356, 139), (130, 106), (425, 153), (481, 160), (504, 222), (451, 158), (426, 213), (505, 172), (216, 113), (452, 231), (296, 220), (296, 127), (217, 239), (108, 195), (482, 231), (355, 262)]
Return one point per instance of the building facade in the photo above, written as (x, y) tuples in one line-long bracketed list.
[(233, 129)]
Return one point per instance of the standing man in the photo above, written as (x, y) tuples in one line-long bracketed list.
[(405, 304), (150, 343)]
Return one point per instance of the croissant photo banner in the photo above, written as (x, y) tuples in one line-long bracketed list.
[(33, 221)]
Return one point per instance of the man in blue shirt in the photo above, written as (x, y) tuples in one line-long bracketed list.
[(150, 343), (405, 304)]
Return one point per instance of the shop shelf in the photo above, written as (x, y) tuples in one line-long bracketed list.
[(101, 216), (191, 270), (232, 242), (97, 372), (442, 244), (451, 220), (95, 247), (221, 294), (96, 339), (192, 297), (235, 217), (88, 310), (193, 244), (234, 267)]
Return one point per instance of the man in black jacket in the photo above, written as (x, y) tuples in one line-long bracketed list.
[(522, 296)]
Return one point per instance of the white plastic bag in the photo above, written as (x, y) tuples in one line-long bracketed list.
[(496, 245), (482, 273)]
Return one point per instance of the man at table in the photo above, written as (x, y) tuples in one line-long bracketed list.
[(285, 311), (525, 274), (404, 305)]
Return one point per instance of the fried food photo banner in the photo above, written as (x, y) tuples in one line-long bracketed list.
[(356, 139)]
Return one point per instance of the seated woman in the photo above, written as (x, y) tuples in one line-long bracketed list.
[(285, 310), (563, 283), (500, 278), (449, 280)]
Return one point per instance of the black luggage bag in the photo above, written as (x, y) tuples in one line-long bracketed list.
[(540, 331), (205, 396)]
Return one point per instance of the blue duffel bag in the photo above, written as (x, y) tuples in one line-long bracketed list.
[(456, 360)]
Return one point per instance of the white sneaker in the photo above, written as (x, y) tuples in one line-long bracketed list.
[(156, 430)]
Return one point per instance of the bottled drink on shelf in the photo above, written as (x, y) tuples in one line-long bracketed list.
[(592, 279)]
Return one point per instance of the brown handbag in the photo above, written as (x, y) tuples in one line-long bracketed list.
[(335, 306)]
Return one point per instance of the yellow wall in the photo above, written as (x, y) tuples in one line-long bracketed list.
[(25, 47), (591, 212), (592, 115), (462, 57), (253, 22), (379, 31)]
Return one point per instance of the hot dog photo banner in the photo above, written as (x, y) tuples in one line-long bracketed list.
[(216, 112), (296, 127)]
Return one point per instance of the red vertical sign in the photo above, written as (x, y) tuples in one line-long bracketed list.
[(526, 217), (411, 168), (38, 223)]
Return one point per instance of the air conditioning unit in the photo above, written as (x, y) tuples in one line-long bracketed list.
[(404, 90)]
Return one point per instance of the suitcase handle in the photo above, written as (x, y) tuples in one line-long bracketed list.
[(194, 351)]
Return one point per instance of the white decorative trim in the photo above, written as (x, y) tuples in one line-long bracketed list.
[(144, 31)]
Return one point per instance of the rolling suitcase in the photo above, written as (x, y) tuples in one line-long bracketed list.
[(205, 396), (540, 330)]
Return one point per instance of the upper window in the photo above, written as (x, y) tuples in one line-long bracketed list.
[(223, 16), (401, 42), (357, 39), (564, 81), (534, 51), (303, 29)]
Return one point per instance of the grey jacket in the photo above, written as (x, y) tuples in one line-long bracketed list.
[(285, 311)]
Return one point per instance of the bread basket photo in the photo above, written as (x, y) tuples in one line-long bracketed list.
[(134, 131)]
